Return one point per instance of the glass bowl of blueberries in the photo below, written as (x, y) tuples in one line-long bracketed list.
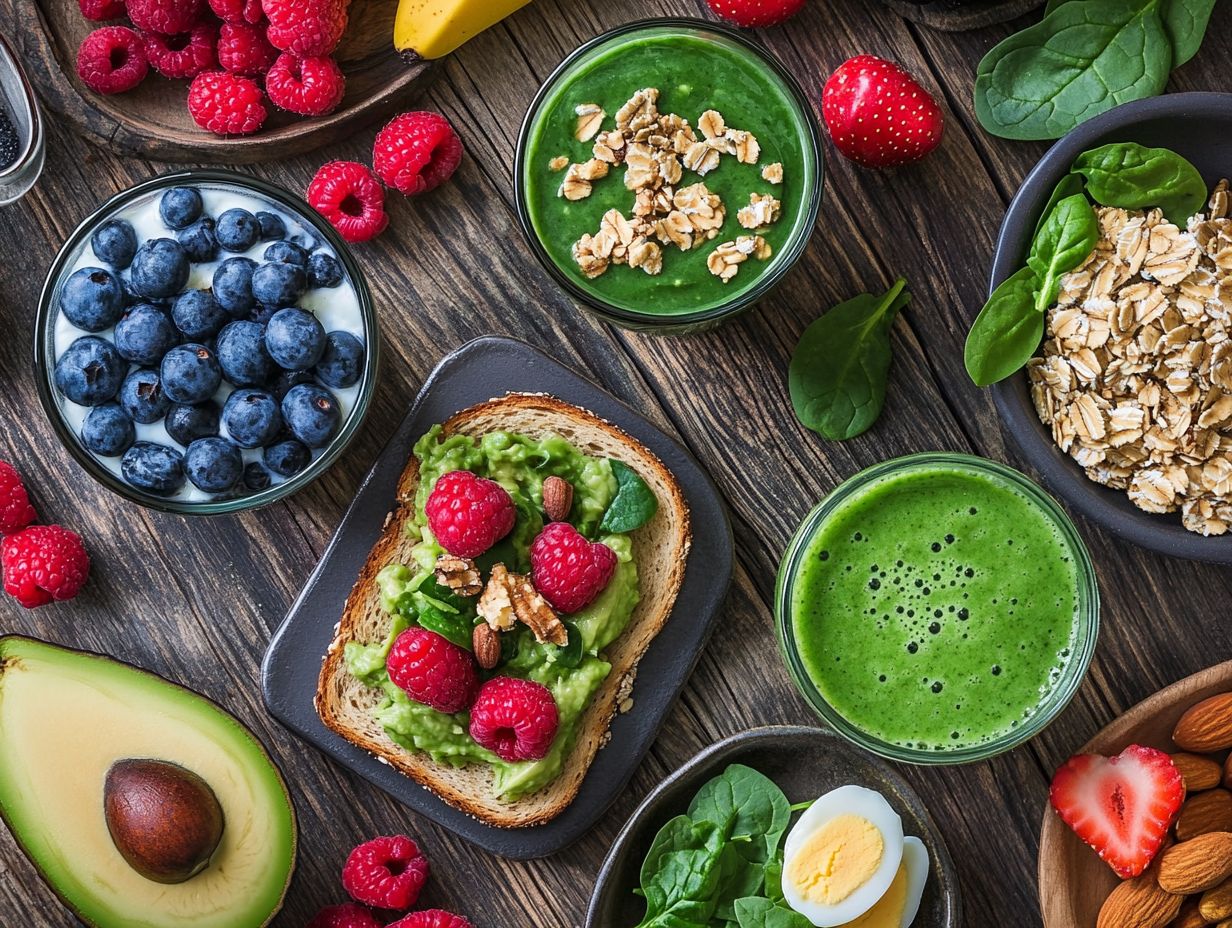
[(206, 343)]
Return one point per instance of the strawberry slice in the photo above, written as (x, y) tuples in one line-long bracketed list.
[(1121, 806)]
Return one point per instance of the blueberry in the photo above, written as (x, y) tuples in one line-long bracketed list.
[(286, 253), (256, 477), (145, 334), (159, 269), (251, 418), (213, 464), (262, 315), (179, 207), (237, 230), (324, 270), (108, 431), (342, 362), (90, 371), (278, 285), (154, 468), (190, 374), (115, 243), (311, 414), (271, 225), (284, 380), (242, 354), (185, 423), (92, 299), (305, 240), (287, 457), (142, 396), (199, 241), (197, 314), (294, 339), (232, 286)]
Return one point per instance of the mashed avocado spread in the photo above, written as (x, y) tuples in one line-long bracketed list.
[(572, 673)]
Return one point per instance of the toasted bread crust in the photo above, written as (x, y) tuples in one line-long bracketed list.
[(660, 550)]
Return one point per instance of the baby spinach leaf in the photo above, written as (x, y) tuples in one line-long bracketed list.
[(680, 874), (762, 913), (1084, 58), (1066, 239), (774, 877), (837, 376), (1068, 186), (1185, 22), (744, 804), (1007, 331), (1131, 176), (737, 878), (634, 504)]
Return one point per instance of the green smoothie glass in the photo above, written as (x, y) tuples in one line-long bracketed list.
[(696, 67), (937, 609)]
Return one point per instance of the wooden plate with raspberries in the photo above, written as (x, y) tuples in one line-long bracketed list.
[(273, 77)]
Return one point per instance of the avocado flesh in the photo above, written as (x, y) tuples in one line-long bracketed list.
[(65, 718)]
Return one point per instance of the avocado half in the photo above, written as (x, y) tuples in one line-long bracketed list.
[(65, 717)]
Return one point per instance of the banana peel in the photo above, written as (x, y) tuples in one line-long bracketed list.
[(430, 29)]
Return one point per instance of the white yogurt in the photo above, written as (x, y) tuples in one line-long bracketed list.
[(337, 309)]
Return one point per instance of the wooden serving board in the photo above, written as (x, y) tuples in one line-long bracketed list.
[(152, 120)]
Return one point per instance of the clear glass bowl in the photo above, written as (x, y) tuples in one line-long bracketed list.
[(48, 311), (21, 106), (780, 263), (1087, 618)]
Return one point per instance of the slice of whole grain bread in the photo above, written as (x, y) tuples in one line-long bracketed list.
[(660, 549)]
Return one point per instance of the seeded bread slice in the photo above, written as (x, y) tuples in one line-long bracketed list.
[(660, 549)]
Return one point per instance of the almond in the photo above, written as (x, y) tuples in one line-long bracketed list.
[(1227, 772), (1206, 727), (487, 644), (1198, 772), (1216, 904), (1196, 866), (1139, 903), (1204, 813), (557, 498), (1190, 917)]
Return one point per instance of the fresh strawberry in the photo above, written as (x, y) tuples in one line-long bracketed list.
[(878, 115), (753, 14), (1121, 806)]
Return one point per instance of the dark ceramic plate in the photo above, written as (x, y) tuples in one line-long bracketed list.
[(476, 372), (804, 762), (1197, 126)]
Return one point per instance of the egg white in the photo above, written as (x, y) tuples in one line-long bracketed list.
[(915, 859), (846, 800)]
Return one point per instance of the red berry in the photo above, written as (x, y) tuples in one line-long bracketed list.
[(43, 563), (752, 14), (351, 197), (388, 873), (182, 56), (877, 114), (226, 103), (244, 49), (416, 152), (433, 670), (567, 569), (432, 918), (306, 27), (170, 17), (469, 514), (112, 60), (238, 11), (348, 915), (99, 10), (514, 719), (308, 86), (15, 509)]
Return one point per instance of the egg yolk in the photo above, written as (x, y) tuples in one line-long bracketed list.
[(888, 912), (837, 859)]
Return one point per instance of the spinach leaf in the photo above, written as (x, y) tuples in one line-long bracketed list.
[(680, 874), (1069, 185), (1064, 241), (1084, 58), (569, 654), (1007, 331), (1130, 176), (634, 504), (747, 807), (762, 913), (1185, 21), (738, 878), (837, 376), (774, 877)]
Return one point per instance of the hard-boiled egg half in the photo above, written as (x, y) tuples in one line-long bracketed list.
[(846, 862)]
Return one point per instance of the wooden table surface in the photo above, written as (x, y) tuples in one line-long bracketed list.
[(197, 599)]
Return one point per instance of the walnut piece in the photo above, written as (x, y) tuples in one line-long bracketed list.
[(495, 606), (458, 574), (510, 598)]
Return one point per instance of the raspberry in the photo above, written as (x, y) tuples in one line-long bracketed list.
[(43, 563), (348, 915), (416, 152), (515, 719), (308, 86), (469, 514), (431, 918), (306, 27), (244, 49), (388, 873), (101, 9), (349, 195), (433, 671), (181, 56), (170, 17), (112, 60), (238, 11), (225, 103), (15, 509), (567, 569)]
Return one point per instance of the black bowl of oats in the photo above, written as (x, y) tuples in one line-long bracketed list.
[(1126, 410)]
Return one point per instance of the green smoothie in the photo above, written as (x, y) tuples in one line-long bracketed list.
[(936, 607), (693, 75)]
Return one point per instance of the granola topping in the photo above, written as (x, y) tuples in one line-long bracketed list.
[(724, 262), (763, 210)]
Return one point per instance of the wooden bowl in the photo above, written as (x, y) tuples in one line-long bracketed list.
[(152, 120), (1073, 881)]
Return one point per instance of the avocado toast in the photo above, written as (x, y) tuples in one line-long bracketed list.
[(356, 699)]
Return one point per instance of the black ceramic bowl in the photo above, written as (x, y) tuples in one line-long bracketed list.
[(804, 762), (1197, 126)]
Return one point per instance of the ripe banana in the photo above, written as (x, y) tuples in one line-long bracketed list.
[(433, 28)]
